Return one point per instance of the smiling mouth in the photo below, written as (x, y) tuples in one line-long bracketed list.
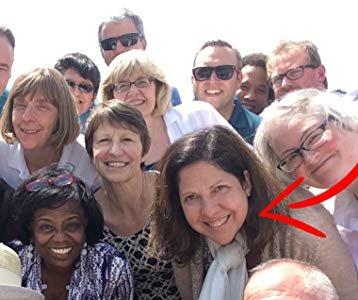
[(30, 131), (218, 222), (136, 102), (61, 251), (116, 164), (212, 92)]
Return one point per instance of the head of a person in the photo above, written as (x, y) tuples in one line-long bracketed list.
[(216, 75), (255, 91), (117, 138), (211, 185), (311, 134), (289, 279), (137, 79), (40, 111), (296, 65), (82, 77), (121, 33), (7, 45), (58, 213)]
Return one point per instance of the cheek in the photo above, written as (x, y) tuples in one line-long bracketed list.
[(99, 154), (191, 215)]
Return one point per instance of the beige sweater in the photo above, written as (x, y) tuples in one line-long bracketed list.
[(329, 254)]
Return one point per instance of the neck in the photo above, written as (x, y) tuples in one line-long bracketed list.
[(39, 158), (53, 274), (226, 111), (354, 188)]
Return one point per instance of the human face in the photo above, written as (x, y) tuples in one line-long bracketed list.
[(324, 166), (219, 93), (59, 234), (83, 100), (214, 203), (34, 120), (117, 153), (312, 77), (6, 60), (254, 90), (116, 29), (143, 98)]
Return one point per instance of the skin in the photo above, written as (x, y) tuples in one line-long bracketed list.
[(254, 90), (6, 61), (116, 29), (83, 101), (219, 93), (214, 203), (312, 78)]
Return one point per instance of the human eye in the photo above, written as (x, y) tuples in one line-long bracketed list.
[(220, 188), (294, 73), (122, 87), (244, 88), (190, 198), (142, 82), (103, 141), (19, 104), (313, 138), (73, 226), (45, 227)]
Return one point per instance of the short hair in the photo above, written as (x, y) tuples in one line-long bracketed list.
[(6, 32), (219, 146), (54, 88), (307, 103), (124, 13), (307, 47), (26, 203), (138, 61), (119, 114), (315, 282), (220, 43), (83, 65)]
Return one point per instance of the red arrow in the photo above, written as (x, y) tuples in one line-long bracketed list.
[(335, 189)]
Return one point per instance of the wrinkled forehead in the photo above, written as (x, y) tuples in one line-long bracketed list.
[(288, 59)]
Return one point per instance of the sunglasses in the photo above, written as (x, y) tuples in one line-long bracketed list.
[(224, 72), (82, 87), (126, 40)]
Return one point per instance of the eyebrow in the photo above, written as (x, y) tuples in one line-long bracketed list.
[(216, 183)]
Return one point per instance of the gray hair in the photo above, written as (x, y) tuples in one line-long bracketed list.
[(6, 32)]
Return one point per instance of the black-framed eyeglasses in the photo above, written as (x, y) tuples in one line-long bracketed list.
[(140, 83), (84, 88), (224, 72), (127, 40), (292, 74), (315, 140)]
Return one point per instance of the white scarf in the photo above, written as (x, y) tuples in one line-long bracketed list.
[(227, 275)]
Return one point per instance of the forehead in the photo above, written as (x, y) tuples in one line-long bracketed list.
[(74, 75), (112, 127), (289, 59), (254, 73), (118, 28), (6, 51), (213, 56), (69, 209)]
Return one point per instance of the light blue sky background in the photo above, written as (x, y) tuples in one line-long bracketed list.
[(46, 30)]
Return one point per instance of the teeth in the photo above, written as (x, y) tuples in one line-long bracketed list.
[(136, 102), (212, 92), (61, 250), (218, 222), (29, 131), (116, 164)]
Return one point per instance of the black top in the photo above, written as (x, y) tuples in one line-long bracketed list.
[(6, 193)]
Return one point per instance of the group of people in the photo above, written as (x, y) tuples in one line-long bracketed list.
[(112, 189)]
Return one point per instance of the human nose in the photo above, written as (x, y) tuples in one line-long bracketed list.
[(249, 95), (209, 207), (116, 148), (29, 113), (311, 158), (59, 236)]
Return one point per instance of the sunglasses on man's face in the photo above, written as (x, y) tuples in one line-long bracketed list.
[(126, 40), (82, 87), (224, 72)]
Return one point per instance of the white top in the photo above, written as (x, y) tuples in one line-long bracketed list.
[(13, 168), (188, 117)]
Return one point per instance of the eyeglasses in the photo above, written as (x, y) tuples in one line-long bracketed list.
[(127, 40), (315, 140), (82, 87), (59, 181), (140, 83), (292, 74), (224, 72)]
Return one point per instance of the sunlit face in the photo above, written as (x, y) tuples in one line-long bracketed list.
[(34, 120), (117, 153), (254, 90), (6, 60), (83, 100), (312, 77), (325, 166), (142, 98), (214, 203), (117, 29), (59, 234), (219, 93)]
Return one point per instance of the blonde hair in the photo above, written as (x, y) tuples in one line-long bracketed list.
[(54, 88), (135, 62)]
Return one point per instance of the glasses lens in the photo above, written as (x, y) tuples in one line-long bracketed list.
[(109, 44), (36, 185), (85, 88), (142, 82), (295, 73), (291, 162), (62, 180), (122, 87), (224, 72), (202, 73), (129, 40)]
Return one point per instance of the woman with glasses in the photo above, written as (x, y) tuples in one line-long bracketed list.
[(83, 78), (40, 126), (137, 80), (117, 139), (59, 225), (206, 217), (314, 135)]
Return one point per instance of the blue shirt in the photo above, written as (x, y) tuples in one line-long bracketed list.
[(3, 98)]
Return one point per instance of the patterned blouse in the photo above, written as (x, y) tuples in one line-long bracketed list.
[(153, 278), (99, 273)]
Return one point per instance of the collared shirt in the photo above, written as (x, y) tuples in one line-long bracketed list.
[(244, 121)]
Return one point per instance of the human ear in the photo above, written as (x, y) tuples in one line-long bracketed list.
[(246, 186)]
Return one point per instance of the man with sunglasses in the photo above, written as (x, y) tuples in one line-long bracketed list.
[(296, 65), (216, 76)]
